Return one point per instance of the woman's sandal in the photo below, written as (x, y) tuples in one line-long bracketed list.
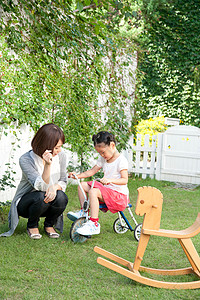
[(52, 235), (34, 236)]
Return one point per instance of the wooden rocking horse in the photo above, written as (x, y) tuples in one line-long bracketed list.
[(149, 204)]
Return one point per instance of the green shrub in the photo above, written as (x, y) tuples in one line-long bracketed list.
[(4, 210)]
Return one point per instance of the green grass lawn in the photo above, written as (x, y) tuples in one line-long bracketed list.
[(60, 269)]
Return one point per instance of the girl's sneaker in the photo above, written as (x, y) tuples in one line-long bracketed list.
[(73, 216), (89, 228)]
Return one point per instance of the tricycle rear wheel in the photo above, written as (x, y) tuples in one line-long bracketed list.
[(137, 231), (120, 227)]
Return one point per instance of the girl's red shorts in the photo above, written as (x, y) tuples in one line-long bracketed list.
[(114, 200)]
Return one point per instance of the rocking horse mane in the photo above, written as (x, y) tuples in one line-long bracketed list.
[(149, 204)]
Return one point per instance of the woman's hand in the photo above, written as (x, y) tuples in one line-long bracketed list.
[(47, 157), (105, 181), (50, 194)]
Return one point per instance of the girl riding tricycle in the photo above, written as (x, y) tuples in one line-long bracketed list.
[(112, 190)]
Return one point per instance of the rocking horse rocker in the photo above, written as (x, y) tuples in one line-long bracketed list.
[(149, 204)]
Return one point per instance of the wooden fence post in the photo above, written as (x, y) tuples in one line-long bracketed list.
[(159, 155)]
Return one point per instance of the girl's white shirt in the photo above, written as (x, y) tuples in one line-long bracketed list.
[(112, 170), (39, 184)]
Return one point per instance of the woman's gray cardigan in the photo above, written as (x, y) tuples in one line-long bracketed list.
[(26, 185)]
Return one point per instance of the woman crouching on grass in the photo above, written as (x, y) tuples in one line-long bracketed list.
[(41, 191)]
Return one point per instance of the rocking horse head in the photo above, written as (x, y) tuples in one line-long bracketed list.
[(149, 204)]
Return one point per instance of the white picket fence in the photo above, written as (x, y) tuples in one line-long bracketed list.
[(172, 156), (180, 155), (145, 157)]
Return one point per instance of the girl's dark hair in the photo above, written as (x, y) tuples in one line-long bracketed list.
[(103, 137), (46, 138)]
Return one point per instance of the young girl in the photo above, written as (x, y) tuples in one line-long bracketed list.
[(112, 188)]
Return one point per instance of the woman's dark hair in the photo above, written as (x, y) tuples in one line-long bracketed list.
[(46, 138), (103, 137)]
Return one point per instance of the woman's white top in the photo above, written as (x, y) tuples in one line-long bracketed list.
[(39, 184)]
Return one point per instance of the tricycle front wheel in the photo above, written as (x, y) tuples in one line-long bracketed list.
[(74, 236)]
